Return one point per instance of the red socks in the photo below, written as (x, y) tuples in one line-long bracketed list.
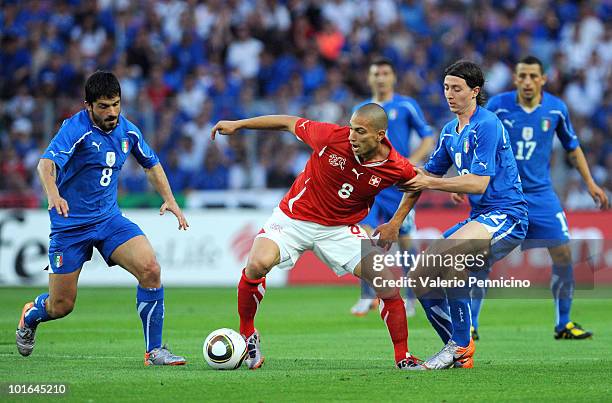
[(250, 294), (393, 313)]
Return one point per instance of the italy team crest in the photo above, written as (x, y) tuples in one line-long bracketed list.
[(466, 145), (545, 124), (110, 158), (125, 145), (58, 259)]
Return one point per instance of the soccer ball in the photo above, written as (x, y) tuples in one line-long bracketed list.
[(224, 349)]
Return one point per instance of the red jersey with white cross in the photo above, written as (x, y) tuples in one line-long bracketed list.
[(335, 188)]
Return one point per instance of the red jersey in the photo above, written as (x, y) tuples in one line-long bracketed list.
[(335, 188)]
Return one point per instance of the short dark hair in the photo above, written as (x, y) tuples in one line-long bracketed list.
[(383, 61), (101, 84), (471, 73), (375, 114), (532, 60)]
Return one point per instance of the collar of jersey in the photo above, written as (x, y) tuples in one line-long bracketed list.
[(516, 101), (469, 122)]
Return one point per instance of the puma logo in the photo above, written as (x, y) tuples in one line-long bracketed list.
[(93, 143), (483, 165), (357, 173), (303, 125), (510, 123)]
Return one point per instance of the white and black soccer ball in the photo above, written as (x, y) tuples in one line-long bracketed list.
[(224, 349)]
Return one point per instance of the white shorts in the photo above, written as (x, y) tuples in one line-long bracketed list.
[(339, 247)]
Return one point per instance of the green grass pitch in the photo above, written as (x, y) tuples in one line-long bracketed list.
[(315, 350)]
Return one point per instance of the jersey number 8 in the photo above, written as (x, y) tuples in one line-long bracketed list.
[(105, 180), (345, 190)]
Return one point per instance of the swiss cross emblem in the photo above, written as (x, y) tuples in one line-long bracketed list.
[(375, 180)]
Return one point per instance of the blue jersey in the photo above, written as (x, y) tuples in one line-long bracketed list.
[(531, 135), (89, 161), (482, 148), (404, 115)]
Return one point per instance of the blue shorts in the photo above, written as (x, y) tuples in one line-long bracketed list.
[(381, 213), (68, 250), (547, 223), (507, 232)]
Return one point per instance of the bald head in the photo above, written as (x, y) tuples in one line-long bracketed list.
[(374, 114)]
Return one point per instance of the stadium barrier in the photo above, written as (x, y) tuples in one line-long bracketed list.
[(211, 253), (214, 249)]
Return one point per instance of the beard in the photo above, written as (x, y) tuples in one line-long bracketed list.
[(106, 125)]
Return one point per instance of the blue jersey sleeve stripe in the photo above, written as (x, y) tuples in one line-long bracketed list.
[(565, 126), (500, 110), (440, 143), (138, 142), (76, 143), (419, 120)]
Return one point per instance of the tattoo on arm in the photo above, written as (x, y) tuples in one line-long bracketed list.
[(573, 159), (53, 171)]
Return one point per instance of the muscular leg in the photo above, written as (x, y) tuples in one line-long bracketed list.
[(562, 283), (58, 302), (472, 238), (137, 257), (264, 255)]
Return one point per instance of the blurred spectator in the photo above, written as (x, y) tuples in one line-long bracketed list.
[(214, 174), (243, 53), (178, 177)]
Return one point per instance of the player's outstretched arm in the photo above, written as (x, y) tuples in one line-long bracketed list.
[(47, 172), (158, 179), (578, 160), (267, 122), (468, 183)]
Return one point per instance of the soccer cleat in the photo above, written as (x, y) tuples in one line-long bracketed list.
[(162, 356), (364, 305), (24, 336), (573, 331), (410, 363), (409, 304), (466, 357), (475, 335), (452, 355), (255, 358)]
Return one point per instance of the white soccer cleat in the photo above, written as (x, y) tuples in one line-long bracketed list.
[(255, 358), (364, 305), (451, 356)]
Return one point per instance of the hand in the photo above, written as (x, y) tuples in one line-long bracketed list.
[(61, 205), (388, 233), (176, 210), (416, 184), (457, 198), (599, 196), (227, 127)]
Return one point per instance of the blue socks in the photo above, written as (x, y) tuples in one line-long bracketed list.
[(562, 287), (461, 319), (436, 310), (38, 313), (150, 305), (478, 295)]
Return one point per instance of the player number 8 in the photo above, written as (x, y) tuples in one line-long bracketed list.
[(105, 180), (345, 190)]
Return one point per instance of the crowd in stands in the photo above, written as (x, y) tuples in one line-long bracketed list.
[(183, 65)]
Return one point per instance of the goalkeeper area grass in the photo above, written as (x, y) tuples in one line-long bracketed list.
[(315, 350)]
